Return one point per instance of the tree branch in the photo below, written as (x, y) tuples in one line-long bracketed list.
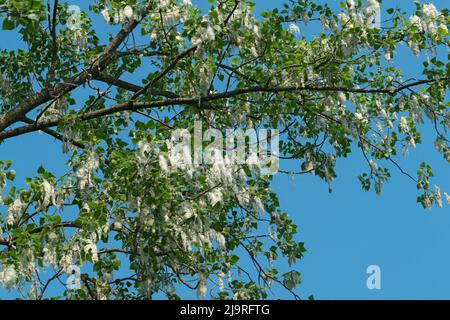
[(135, 106), (55, 134), (69, 85), (132, 87)]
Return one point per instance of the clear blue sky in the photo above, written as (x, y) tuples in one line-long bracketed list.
[(345, 231)]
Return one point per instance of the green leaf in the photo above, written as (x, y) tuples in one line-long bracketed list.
[(8, 24)]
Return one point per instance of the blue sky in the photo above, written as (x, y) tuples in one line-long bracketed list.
[(344, 231)]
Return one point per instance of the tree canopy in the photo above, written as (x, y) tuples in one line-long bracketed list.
[(140, 219)]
